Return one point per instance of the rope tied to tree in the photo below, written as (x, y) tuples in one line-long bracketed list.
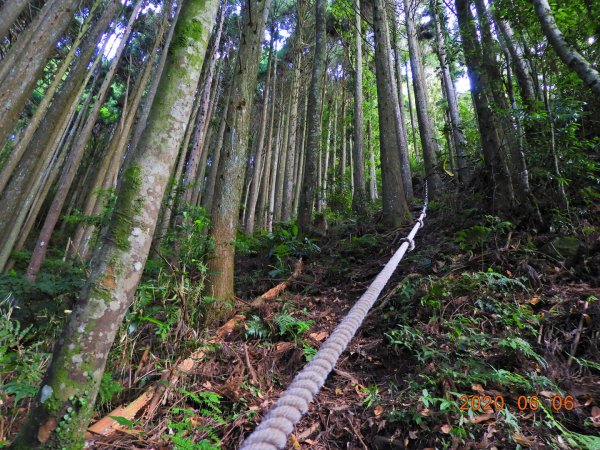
[(278, 424)]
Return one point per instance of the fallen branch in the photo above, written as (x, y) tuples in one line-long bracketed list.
[(274, 292)]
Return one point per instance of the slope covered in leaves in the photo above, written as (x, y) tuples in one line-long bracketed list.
[(483, 338)]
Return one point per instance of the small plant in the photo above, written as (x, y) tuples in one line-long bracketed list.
[(289, 325), (256, 328), (309, 351), (372, 395), (109, 389), (210, 411), (477, 236)]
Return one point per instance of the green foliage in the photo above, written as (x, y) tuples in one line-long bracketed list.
[(309, 351), (456, 343), (288, 325), (256, 328), (372, 395), (280, 244), (477, 236), (109, 389), (21, 363), (42, 302), (209, 410)]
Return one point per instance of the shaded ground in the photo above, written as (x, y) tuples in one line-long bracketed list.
[(482, 315)]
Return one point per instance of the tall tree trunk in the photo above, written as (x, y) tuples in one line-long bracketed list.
[(567, 53), (509, 138), (343, 153), (275, 162), (400, 118), (523, 75), (395, 208), (114, 154), (458, 137), (372, 174), (19, 72), (199, 135), (262, 154), (283, 155), (72, 164), (42, 108), (291, 160), (27, 179), (315, 101), (500, 186), (426, 131), (359, 197), (208, 194), (265, 184), (301, 152), (413, 126), (228, 189), (73, 378)]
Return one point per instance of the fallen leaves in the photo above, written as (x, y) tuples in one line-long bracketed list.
[(319, 336)]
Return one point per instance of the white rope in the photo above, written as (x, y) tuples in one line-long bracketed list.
[(277, 425)]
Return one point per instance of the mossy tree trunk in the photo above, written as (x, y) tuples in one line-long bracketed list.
[(230, 178), (262, 154), (291, 159), (64, 405)]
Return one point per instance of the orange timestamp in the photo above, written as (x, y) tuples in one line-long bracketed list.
[(488, 403)]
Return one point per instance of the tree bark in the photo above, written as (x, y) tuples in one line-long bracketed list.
[(567, 53), (106, 172), (228, 189), (315, 100), (11, 9), (511, 144), (265, 182), (199, 135), (395, 208), (208, 194), (372, 174), (283, 155), (73, 379)]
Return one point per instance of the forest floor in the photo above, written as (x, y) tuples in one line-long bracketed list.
[(469, 345)]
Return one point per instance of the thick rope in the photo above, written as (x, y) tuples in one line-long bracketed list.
[(277, 425)]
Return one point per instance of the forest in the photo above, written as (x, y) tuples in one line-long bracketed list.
[(310, 224)]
